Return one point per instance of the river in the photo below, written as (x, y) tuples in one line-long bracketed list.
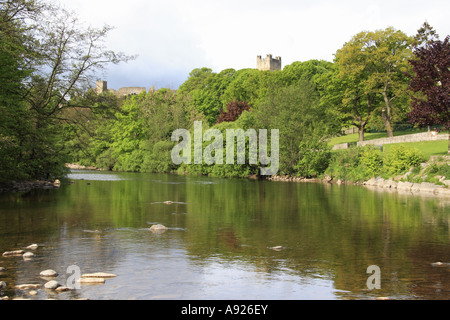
[(221, 237)]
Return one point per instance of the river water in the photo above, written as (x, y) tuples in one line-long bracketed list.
[(220, 238)]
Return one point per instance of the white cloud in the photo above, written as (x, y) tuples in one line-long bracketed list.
[(174, 37)]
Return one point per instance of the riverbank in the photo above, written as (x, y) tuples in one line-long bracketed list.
[(415, 181), (24, 186)]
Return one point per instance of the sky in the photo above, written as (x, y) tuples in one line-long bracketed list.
[(173, 37)]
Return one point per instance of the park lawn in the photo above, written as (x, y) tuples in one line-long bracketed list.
[(369, 136), (427, 148)]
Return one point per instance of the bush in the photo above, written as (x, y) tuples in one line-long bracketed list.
[(314, 158), (159, 159), (402, 158), (371, 159), (345, 165)]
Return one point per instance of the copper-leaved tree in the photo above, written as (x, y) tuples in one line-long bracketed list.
[(431, 84)]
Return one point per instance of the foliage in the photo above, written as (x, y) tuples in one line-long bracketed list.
[(363, 163), (431, 68), (46, 60), (401, 158), (371, 159), (314, 156), (370, 74), (233, 110), (295, 111)]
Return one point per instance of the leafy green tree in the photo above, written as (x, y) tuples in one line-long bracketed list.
[(344, 88), (47, 58), (296, 112), (372, 69)]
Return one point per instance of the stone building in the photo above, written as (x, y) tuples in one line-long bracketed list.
[(268, 63), (102, 86)]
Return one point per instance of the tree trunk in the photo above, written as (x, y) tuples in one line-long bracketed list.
[(387, 123), (386, 114), (361, 133)]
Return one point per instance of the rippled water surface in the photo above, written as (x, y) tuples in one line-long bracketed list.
[(220, 238)]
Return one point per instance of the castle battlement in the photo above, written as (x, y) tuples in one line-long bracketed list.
[(102, 86), (268, 63)]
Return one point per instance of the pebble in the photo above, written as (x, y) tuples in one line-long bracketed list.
[(52, 284), (28, 255), (27, 286), (98, 275), (2, 269), (277, 248), (2, 284), (49, 273), (62, 289), (32, 246), (13, 253), (440, 264), (91, 280), (158, 227)]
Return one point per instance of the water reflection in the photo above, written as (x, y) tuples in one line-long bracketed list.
[(220, 239)]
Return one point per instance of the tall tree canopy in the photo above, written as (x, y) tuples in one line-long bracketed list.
[(47, 58), (431, 80), (372, 69)]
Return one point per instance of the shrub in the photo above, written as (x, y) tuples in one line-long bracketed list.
[(371, 159), (345, 165), (159, 159), (402, 158), (314, 158)]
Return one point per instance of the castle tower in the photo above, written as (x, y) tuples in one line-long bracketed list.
[(268, 63), (101, 86)]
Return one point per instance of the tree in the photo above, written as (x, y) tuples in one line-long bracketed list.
[(205, 90), (345, 86), (233, 110), (388, 51), (431, 80), (296, 112), (48, 59), (372, 68)]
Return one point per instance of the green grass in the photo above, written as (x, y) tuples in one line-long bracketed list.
[(427, 148), (370, 136)]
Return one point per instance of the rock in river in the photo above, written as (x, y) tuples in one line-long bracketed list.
[(91, 280), (48, 273), (28, 255), (13, 253), (52, 284), (98, 275), (158, 228)]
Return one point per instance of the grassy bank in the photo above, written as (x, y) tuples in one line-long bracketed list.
[(426, 148), (417, 162)]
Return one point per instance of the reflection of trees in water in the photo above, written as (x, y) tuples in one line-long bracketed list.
[(329, 231), (336, 231)]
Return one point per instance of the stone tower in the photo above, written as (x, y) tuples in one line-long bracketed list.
[(101, 86), (268, 63)]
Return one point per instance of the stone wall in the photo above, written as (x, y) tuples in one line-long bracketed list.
[(127, 91), (416, 137)]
